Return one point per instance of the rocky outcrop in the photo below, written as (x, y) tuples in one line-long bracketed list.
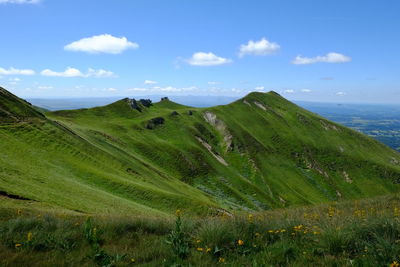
[(174, 113), (146, 102), (154, 122), (164, 98), (247, 103), (347, 177), (258, 104), (328, 126), (209, 148), (212, 119), (134, 104)]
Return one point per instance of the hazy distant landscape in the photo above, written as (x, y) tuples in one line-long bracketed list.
[(381, 122)]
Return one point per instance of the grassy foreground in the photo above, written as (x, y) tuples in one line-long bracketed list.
[(356, 233)]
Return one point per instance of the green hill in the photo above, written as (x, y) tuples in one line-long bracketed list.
[(135, 157)]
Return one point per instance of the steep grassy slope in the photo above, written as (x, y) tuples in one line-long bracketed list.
[(46, 162), (259, 152)]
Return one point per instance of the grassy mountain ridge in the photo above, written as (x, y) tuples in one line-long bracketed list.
[(259, 152)]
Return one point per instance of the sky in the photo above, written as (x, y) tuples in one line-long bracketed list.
[(324, 51)]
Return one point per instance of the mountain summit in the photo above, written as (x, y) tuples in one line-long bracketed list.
[(132, 156)]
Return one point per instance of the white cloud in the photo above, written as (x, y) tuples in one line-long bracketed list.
[(72, 72), (176, 89), (207, 59), (104, 43), (19, 1), (340, 93), (163, 89), (13, 71), (213, 83), (259, 88), (69, 72), (44, 87), (100, 73), (289, 91), (13, 81), (306, 90), (237, 90), (262, 47), (139, 89), (150, 82), (111, 89), (328, 58)]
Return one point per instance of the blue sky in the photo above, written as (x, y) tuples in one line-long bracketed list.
[(328, 51)]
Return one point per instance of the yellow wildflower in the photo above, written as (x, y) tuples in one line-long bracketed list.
[(178, 213), (396, 212), (208, 250), (257, 234), (395, 264), (271, 231), (29, 236), (283, 230), (240, 242), (133, 260), (18, 245), (198, 241), (199, 249), (250, 218), (221, 259)]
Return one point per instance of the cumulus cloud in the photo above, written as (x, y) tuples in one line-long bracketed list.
[(104, 43), (150, 82), (306, 90), (72, 72), (262, 47), (13, 71), (340, 93), (19, 1), (100, 73), (328, 58), (288, 91), (69, 72), (259, 88), (213, 83), (207, 59)]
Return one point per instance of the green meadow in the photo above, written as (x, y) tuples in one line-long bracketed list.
[(348, 233)]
